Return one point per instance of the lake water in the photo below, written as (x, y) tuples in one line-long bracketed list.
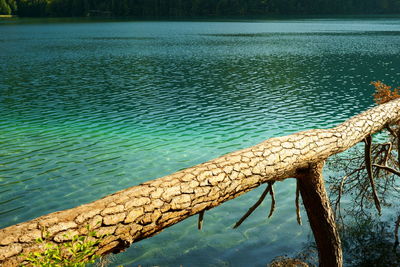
[(91, 107)]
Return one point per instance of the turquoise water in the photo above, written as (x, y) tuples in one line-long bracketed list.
[(91, 107)]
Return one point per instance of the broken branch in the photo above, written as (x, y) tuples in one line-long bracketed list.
[(254, 207), (297, 203), (200, 221)]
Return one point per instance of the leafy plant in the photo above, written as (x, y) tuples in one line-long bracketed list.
[(76, 253)]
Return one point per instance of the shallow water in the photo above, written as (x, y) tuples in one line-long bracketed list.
[(91, 107)]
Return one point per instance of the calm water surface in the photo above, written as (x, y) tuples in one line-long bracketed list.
[(89, 108)]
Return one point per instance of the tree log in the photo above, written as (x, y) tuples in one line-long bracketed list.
[(141, 211), (320, 216)]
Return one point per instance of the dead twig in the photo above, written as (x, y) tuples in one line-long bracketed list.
[(200, 221), (255, 206), (297, 203)]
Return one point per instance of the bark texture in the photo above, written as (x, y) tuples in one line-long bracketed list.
[(144, 210), (320, 216)]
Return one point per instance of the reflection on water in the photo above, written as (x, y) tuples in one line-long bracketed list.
[(91, 108)]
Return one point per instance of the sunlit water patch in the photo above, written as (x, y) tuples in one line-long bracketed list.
[(87, 109)]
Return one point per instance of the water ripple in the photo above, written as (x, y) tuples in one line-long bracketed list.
[(89, 110)]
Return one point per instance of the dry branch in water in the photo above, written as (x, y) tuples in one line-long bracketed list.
[(255, 206)]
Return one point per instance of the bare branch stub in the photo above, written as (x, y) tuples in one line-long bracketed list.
[(201, 218), (297, 203)]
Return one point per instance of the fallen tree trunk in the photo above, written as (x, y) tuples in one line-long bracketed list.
[(144, 210)]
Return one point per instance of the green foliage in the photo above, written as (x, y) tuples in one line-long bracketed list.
[(187, 8), (4, 8), (76, 253), (33, 8), (13, 5)]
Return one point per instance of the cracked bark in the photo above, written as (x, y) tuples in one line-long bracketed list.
[(142, 211)]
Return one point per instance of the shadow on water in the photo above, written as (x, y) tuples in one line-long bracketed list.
[(367, 241)]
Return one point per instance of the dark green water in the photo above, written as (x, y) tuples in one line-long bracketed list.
[(89, 108)]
